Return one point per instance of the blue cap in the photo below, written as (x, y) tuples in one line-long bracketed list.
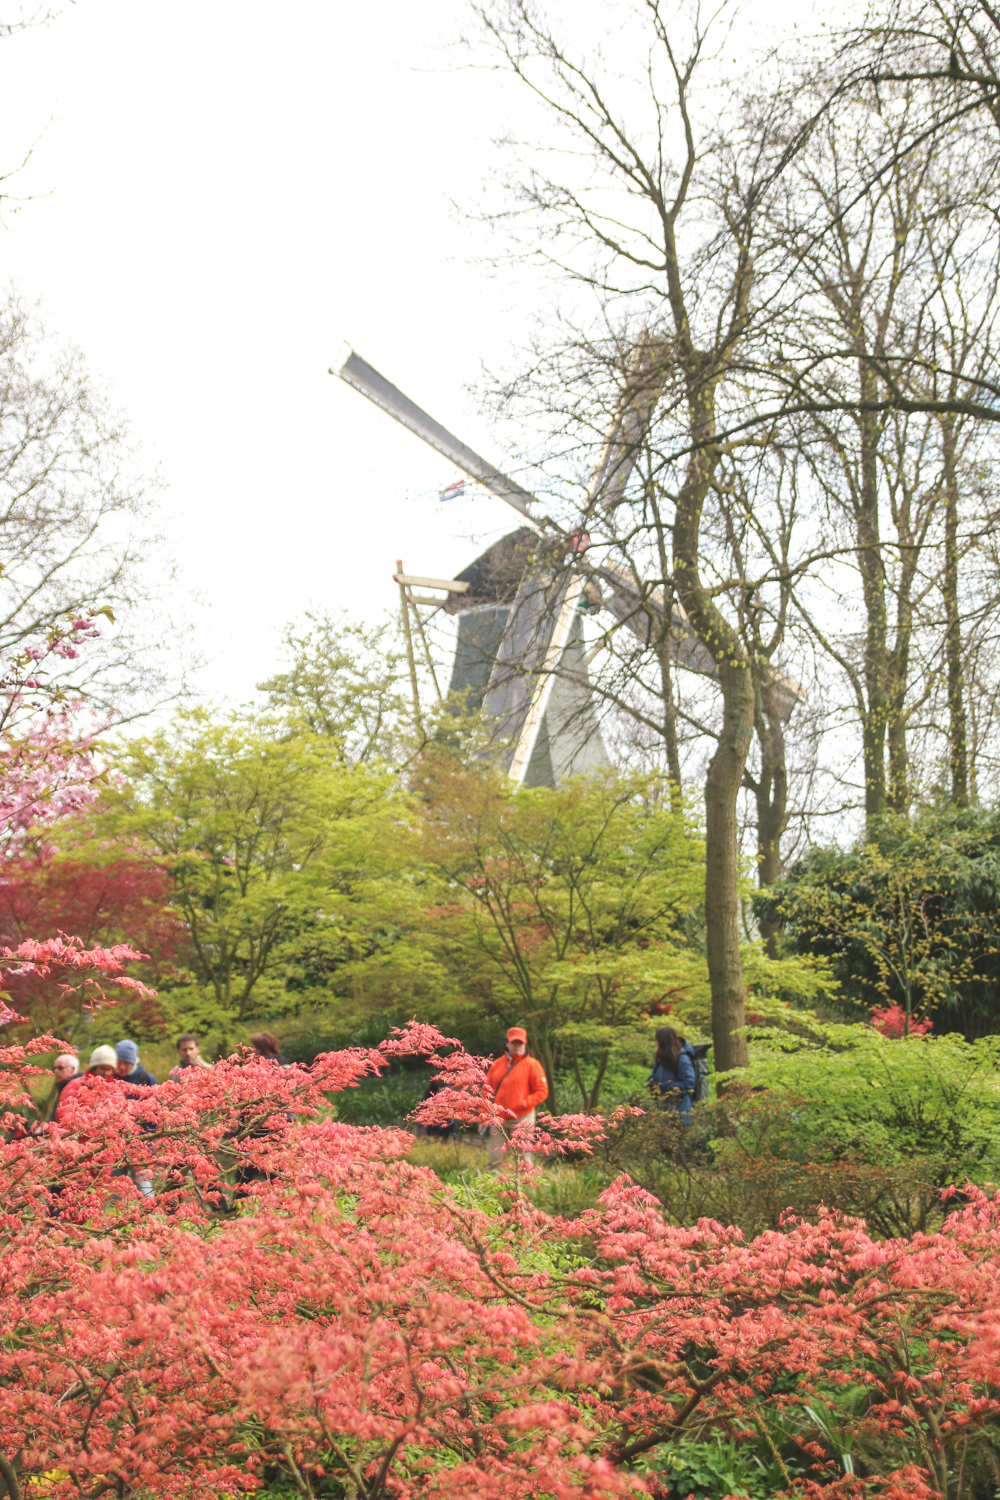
[(127, 1052)]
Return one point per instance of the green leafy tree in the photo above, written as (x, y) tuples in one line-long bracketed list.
[(346, 681), (573, 911), (907, 917), (284, 860)]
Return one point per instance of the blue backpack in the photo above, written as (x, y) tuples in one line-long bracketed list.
[(699, 1056)]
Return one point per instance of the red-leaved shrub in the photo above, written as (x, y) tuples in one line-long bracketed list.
[(890, 1020), (354, 1327)]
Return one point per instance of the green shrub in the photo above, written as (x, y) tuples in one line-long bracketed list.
[(873, 1127), (383, 1101), (909, 916), (893, 1101), (715, 1470)]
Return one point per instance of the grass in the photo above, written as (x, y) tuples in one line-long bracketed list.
[(565, 1188)]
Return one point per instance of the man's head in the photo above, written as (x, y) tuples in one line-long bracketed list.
[(127, 1054), (64, 1067), (187, 1049), (103, 1062), (517, 1041)]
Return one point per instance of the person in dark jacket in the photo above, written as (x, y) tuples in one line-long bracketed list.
[(129, 1071), (672, 1081), (128, 1068)]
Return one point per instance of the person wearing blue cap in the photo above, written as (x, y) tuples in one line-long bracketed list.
[(127, 1066), (129, 1071)]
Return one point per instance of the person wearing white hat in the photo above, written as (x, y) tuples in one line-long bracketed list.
[(102, 1066)]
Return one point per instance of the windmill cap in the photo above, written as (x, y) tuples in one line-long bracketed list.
[(517, 1034)]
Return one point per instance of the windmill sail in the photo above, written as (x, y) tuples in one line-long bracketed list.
[(367, 380)]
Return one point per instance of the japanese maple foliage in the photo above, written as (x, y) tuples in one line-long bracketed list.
[(891, 1021), (68, 930), (99, 903), (301, 1301)]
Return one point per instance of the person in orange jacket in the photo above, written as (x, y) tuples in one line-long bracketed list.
[(519, 1084)]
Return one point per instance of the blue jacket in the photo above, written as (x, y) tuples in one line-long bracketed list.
[(675, 1089), (140, 1076)]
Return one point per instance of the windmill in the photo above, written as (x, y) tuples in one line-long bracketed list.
[(520, 649)]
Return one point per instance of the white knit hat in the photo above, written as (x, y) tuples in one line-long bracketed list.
[(103, 1056)]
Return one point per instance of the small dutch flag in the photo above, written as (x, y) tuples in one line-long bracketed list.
[(454, 491)]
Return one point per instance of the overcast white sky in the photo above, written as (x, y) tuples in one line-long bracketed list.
[(221, 193), (225, 190)]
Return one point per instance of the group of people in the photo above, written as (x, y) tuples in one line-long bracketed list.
[(516, 1080), (106, 1063), (110, 1064)]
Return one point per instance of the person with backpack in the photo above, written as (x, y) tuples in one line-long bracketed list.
[(676, 1076), (519, 1085)]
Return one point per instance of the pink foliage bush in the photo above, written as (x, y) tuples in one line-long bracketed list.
[(345, 1321), (48, 773)]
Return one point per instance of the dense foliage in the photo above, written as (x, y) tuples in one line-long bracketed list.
[(573, 911), (874, 1126), (101, 900), (278, 855), (908, 915), (357, 1329)]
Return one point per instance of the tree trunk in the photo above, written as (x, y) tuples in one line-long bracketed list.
[(771, 796), (722, 868), (670, 723), (899, 673), (725, 774), (958, 740), (539, 1044), (869, 547)]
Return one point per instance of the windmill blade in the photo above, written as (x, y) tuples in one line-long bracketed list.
[(616, 463), (559, 640), (365, 378)]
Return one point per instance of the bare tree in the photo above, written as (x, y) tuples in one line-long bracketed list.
[(658, 212), (898, 298), (77, 515)]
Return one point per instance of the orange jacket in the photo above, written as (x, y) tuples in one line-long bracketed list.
[(518, 1083)]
